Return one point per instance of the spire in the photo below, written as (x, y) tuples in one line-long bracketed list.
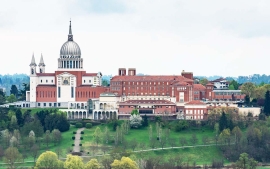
[(41, 62), (70, 36), (33, 62)]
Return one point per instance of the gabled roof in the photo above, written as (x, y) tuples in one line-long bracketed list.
[(90, 74), (195, 102), (199, 87)]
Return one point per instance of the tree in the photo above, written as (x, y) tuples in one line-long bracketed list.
[(231, 87), (205, 139), (153, 143), (133, 144), (183, 141), (234, 84), (150, 132), (194, 139), (92, 164), (248, 89), (11, 98), (237, 133), (225, 136), (56, 136), (266, 109), (58, 151), (172, 142), (14, 91), (97, 135), (106, 135), (34, 151), (26, 87), (19, 117), (2, 99), (223, 122), (74, 162), (145, 121), (12, 156), (135, 112), (48, 160), (124, 163), (13, 123), (203, 81), (245, 163), (135, 121)]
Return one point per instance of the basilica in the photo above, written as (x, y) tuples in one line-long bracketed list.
[(69, 86)]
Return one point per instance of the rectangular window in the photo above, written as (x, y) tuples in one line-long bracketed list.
[(59, 104), (59, 92), (38, 104), (44, 104), (50, 104), (72, 92)]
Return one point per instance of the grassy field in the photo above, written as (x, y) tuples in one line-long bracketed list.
[(64, 145)]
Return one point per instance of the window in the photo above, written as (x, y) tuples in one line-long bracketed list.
[(59, 92), (89, 81), (59, 104), (50, 104), (38, 104), (44, 104), (83, 81), (40, 81), (72, 92), (52, 81)]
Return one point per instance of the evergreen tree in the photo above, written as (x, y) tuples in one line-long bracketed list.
[(19, 117), (223, 122), (14, 90), (145, 121), (266, 109)]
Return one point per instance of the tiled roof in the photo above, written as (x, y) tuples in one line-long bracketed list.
[(90, 74), (147, 102), (198, 87), (210, 84), (195, 102), (218, 80), (168, 78), (45, 74), (45, 85)]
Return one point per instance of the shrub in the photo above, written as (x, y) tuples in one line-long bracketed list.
[(74, 132), (80, 144), (82, 132), (73, 144), (79, 125), (73, 138), (88, 125), (77, 153), (81, 138)]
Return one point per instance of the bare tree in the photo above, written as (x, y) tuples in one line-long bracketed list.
[(183, 141), (172, 142), (162, 142), (153, 143), (34, 151), (167, 133), (205, 139), (12, 156), (104, 149), (133, 144), (125, 144), (150, 132), (56, 136), (193, 139), (59, 151), (106, 135), (2, 152), (47, 138)]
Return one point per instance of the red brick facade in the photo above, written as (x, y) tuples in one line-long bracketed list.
[(46, 93)]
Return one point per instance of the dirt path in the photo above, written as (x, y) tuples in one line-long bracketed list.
[(77, 140)]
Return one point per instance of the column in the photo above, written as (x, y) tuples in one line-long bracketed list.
[(82, 64)]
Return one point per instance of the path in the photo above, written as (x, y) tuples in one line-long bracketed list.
[(77, 140)]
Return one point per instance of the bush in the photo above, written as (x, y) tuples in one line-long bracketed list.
[(80, 144), (79, 125), (77, 153), (73, 138), (74, 132), (81, 138), (73, 144), (88, 125), (82, 132)]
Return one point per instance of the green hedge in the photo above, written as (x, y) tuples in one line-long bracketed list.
[(82, 132), (73, 144), (81, 138), (79, 125), (73, 138), (88, 125), (74, 132), (80, 144)]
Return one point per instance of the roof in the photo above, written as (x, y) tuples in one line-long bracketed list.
[(45, 74), (219, 79), (226, 91), (198, 87), (147, 102), (152, 78), (209, 84), (107, 94), (195, 102), (45, 85), (90, 74)]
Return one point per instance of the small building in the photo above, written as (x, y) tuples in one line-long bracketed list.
[(195, 110)]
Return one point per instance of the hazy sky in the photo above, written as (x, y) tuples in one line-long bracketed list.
[(207, 37)]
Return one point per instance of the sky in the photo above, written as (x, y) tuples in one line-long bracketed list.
[(157, 37)]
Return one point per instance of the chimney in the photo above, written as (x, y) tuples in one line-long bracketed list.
[(122, 72), (132, 72), (188, 75)]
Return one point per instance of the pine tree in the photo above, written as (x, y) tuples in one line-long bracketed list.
[(266, 109), (223, 122), (145, 121)]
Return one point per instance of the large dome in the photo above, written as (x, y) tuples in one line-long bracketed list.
[(70, 48)]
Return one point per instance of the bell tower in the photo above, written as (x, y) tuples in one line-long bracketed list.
[(33, 66), (41, 65)]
